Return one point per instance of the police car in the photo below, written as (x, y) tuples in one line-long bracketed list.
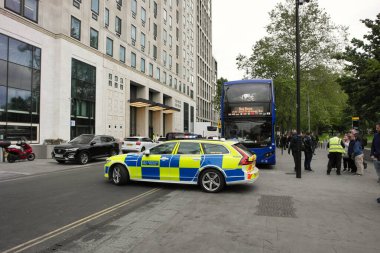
[(209, 163)]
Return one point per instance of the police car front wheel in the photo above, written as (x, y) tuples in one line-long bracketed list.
[(211, 181), (120, 175)]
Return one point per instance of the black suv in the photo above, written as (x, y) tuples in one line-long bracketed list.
[(85, 147)]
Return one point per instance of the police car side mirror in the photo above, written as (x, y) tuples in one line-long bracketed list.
[(147, 152)]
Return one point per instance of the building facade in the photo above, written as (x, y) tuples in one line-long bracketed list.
[(113, 67), (206, 85)]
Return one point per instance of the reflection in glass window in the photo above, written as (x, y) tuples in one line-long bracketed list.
[(94, 34), (134, 7), (165, 148), (95, 6), (19, 77), (109, 47), (30, 9), (75, 28), (3, 97), (189, 148), (3, 72), (20, 52), (118, 25), (133, 60), (3, 47), (13, 5), (133, 33), (143, 15), (19, 100), (37, 58), (122, 54), (151, 69), (142, 65), (214, 149)]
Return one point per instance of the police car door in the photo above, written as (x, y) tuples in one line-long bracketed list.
[(188, 159), (157, 161)]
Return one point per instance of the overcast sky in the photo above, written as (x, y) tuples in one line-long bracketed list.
[(238, 24)]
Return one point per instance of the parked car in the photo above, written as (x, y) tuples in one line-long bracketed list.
[(208, 163), (137, 144), (161, 139), (86, 147)]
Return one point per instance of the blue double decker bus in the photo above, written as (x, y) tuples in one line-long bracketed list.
[(248, 115)]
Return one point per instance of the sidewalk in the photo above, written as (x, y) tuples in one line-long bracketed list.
[(279, 213)]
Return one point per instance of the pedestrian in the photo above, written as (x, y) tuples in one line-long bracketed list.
[(358, 156), (346, 159), (293, 147), (336, 149), (351, 161), (308, 150), (375, 151)]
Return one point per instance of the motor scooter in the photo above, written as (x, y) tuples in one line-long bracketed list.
[(20, 151)]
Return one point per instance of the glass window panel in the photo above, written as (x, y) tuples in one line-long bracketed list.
[(133, 60), (19, 77), (189, 148), (142, 39), (150, 69), (95, 6), (94, 34), (31, 9), (118, 25), (14, 5), (75, 28), (134, 6), (133, 32), (122, 54), (20, 52), (3, 72), (143, 14), (107, 17), (3, 47), (109, 49), (3, 97), (37, 58), (19, 100), (142, 67)]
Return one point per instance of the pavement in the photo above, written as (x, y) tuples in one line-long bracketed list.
[(278, 213)]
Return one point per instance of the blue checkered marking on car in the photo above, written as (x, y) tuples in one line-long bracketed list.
[(234, 175), (150, 172), (131, 159), (187, 174), (216, 160), (165, 161), (174, 163)]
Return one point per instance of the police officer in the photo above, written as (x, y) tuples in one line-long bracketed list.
[(336, 149)]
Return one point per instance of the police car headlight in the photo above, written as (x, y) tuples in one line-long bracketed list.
[(71, 149)]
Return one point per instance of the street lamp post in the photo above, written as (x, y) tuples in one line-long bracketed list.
[(298, 59)]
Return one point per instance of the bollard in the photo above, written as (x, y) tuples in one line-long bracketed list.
[(1, 155)]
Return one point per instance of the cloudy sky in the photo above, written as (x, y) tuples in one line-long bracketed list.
[(238, 24)]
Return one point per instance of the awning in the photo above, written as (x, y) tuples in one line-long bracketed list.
[(171, 109), (153, 106), (140, 102)]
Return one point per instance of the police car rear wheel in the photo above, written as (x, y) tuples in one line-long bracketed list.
[(212, 181), (119, 175)]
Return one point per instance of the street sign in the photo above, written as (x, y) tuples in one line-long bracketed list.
[(355, 118), (219, 124)]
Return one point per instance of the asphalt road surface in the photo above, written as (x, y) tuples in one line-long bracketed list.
[(37, 211)]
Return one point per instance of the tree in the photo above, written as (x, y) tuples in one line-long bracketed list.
[(361, 80), (218, 93), (274, 57)]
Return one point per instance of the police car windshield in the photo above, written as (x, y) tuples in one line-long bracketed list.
[(82, 139)]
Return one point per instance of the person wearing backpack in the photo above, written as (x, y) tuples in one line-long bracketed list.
[(336, 149)]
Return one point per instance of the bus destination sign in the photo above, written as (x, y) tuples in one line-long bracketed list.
[(248, 110)]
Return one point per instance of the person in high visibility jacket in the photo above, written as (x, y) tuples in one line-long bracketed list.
[(336, 149)]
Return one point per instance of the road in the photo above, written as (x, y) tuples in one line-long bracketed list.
[(33, 206)]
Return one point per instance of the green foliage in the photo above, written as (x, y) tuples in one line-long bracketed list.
[(362, 78), (274, 57), (219, 88)]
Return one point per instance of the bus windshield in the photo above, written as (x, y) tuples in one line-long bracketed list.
[(247, 92), (253, 133)]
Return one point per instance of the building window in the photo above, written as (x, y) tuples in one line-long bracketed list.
[(118, 25), (158, 73), (154, 52), (122, 54), (185, 117), (165, 16), (155, 9), (142, 65), (142, 41), (109, 47), (170, 21), (133, 60), (165, 36), (95, 6), (151, 69), (154, 31), (75, 28), (134, 8), (164, 55), (143, 16), (164, 77), (25, 8), (170, 61), (110, 79), (133, 34), (83, 86), (94, 36), (106, 17)]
